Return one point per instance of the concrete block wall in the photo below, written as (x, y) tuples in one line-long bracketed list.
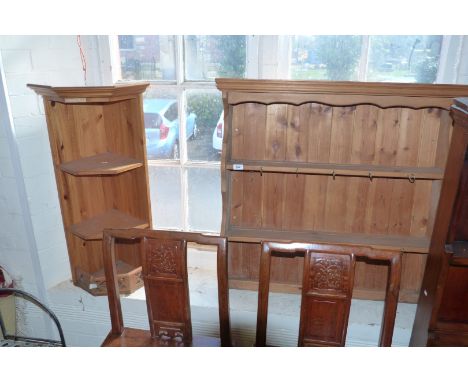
[(50, 60)]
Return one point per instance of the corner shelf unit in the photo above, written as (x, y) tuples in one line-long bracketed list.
[(334, 162), (97, 140)]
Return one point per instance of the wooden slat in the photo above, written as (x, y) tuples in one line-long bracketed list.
[(381, 205), (271, 203), (254, 131), (341, 134), (237, 198), (293, 204), (237, 132), (252, 191), (443, 141), (364, 134), (402, 198), (408, 139), (336, 204), (319, 132), (276, 128), (297, 133), (315, 195), (429, 137), (387, 136), (421, 208)]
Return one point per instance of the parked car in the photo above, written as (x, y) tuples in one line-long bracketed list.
[(218, 134), (162, 128)]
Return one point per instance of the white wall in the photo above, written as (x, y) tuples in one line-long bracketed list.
[(32, 231)]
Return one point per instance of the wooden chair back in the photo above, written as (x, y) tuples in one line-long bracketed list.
[(327, 287), (163, 255)]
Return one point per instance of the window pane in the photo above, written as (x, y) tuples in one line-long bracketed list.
[(204, 199), (208, 57), (165, 195), (204, 124), (161, 123), (147, 57), (325, 57), (404, 58)]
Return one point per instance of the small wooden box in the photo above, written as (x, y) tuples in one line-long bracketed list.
[(129, 279)]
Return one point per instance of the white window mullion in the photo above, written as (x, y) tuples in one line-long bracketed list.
[(252, 62), (180, 76), (364, 59)]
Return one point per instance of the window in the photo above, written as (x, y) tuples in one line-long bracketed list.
[(147, 57), (325, 57), (183, 121), (404, 58), (366, 58), (184, 111)]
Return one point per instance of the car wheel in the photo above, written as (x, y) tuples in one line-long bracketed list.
[(175, 151)]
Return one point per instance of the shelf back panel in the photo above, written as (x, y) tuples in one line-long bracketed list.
[(361, 134), (306, 202)]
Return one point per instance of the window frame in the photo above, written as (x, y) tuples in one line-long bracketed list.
[(363, 65), (180, 86), (262, 53)]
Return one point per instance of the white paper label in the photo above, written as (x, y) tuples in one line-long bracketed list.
[(238, 166)]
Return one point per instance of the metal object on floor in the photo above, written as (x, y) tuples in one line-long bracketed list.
[(10, 340)]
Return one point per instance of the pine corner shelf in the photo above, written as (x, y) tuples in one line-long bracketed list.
[(98, 144), (101, 164), (91, 229)]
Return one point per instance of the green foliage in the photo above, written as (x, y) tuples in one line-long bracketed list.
[(426, 71), (230, 53), (340, 54), (207, 107)]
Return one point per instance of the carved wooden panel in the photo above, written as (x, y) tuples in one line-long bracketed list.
[(166, 285), (326, 298)]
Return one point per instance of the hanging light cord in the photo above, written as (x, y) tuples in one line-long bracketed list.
[(82, 55)]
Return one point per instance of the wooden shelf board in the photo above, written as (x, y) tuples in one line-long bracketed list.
[(101, 164), (91, 229), (403, 243), (362, 170)]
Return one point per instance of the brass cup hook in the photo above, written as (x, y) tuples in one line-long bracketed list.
[(261, 171), (333, 174), (411, 178), (370, 176)]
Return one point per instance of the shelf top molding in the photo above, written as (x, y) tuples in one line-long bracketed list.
[(341, 93), (87, 94)]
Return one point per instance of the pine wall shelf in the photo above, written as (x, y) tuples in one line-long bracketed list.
[(333, 162), (98, 145)]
